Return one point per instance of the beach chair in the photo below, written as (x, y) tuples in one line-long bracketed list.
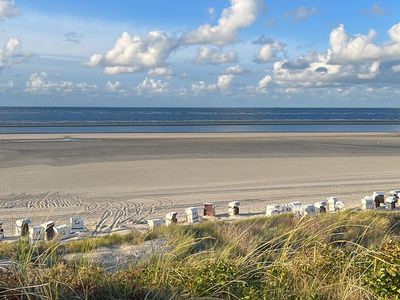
[(367, 203), (331, 201), (233, 208), (379, 198), (62, 232), (192, 215), (154, 223), (320, 207), (208, 210), (273, 209), (22, 227), (309, 209), (171, 218), (390, 203), (48, 230), (36, 233), (76, 224)]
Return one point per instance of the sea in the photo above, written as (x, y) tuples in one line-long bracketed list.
[(124, 120)]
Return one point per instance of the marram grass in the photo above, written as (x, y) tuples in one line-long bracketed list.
[(348, 255)]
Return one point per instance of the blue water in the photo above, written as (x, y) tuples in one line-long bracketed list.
[(74, 120)]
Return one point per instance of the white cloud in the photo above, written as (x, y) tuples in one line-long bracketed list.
[(38, 83), (223, 84), (94, 60), (235, 70), (160, 72), (201, 86), (348, 60), (264, 83), (270, 52), (317, 73), (152, 86), (213, 56), (224, 81), (113, 87), (373, 71), (240, 14), (361, 47), (10, 54), (134, 54), (396, 69), (300, 13), (8, 9)]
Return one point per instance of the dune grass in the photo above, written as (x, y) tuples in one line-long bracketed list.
[(348, 255)]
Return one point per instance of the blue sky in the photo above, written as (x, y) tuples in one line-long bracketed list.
[(200, 53)]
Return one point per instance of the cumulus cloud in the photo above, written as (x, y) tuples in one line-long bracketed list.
[(38, 83), (264, 83), (361, 47), (224, 81), (348, 60), (10, 54), (201, 86), (263, 86), (152, 86), (8, 9), (270, 51), (223, 84), (235, 70), (322, 73), (206, 55), (300, 13), (240, 14), (113, 87), (160, 72), (134, 54)]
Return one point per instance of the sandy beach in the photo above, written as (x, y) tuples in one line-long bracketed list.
[(118, 180)]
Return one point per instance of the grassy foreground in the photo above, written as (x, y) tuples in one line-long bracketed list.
[(349, 255)]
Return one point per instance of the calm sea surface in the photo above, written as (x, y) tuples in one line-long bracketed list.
[(74, 120)]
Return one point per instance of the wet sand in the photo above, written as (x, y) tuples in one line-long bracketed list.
[(118, 180)]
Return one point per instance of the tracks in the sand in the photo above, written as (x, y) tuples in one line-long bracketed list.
[(106, 214), (124, 213), (43, 200)]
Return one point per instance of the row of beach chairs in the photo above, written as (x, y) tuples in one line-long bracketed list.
[(376, 201), (331, 204), (192, 215), (47, 231)]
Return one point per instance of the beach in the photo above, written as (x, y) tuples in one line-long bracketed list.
[(116, 181)]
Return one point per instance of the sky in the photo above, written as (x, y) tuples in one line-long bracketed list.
[(200, 53)]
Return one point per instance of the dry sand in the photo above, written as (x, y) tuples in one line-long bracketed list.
[(118, 180)]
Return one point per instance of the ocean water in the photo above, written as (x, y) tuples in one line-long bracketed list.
[(74, 120)]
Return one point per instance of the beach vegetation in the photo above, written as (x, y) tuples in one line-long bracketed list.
[(346, 255)]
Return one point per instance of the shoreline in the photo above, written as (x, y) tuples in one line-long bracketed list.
[(185, 135)]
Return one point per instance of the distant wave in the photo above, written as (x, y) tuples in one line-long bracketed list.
[(202, 123)]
